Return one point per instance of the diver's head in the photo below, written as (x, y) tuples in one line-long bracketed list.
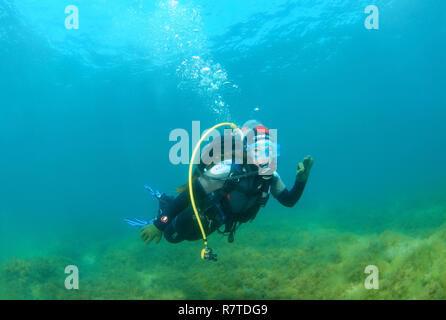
[(260, 146), (251, 124)]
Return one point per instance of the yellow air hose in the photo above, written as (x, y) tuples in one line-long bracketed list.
[(206, 253)]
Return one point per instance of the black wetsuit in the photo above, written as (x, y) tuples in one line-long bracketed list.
[(178, 222)]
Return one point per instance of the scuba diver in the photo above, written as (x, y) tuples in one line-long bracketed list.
[(227, 194)]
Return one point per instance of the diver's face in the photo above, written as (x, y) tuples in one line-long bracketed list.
[(262, 154)]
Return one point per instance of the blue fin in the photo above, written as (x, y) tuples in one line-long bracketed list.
[(153, 192), (135, 222)]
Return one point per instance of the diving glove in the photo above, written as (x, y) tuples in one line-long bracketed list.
[(151, 232), (303, 169)]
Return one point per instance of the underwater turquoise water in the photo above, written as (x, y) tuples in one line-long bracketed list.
[(85, 117)]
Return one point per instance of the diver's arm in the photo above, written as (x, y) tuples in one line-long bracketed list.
[(287, 197), (165, 216), (205, 184), (181, 202), (172, 210)]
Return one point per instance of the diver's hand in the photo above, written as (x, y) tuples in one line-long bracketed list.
[(150, 232), (304, 168)]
